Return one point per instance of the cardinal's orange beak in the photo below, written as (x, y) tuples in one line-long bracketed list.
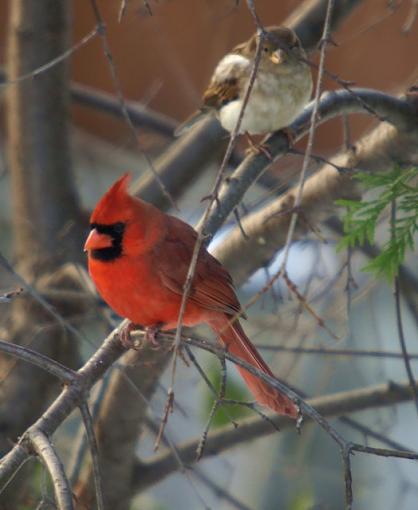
[(95, 241)]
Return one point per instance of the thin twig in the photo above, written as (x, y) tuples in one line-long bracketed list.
[(368, 432), (346, 454), (384, 452), (7, 297), (216, 404), (332, 104), (122, 10), (399, 323), (63, 373), (44, 449), (411, 18), (321, 159), (69, 398), (220, 491), (88, 424), (312, 129), (202, 236), (118, 89), (139, 114), (321, 351), (206, 379), (80, 441), (251, 428), (257, 21), (41, 69), (304, 304), (66, 325)]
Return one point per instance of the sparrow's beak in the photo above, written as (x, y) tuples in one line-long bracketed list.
[(278, 57), (96, 241)]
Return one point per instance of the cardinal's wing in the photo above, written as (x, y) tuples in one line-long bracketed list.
[(211, 285)]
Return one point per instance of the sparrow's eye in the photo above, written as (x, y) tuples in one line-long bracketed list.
[(265, 49)]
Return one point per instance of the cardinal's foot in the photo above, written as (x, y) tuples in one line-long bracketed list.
[(125, 336), (150, 335)]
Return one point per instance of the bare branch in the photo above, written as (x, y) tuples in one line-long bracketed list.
[(43, 447), (321, 351), (119, 422), (399, 323), (346, 456), (44, 202), (153, 471), (266, 228), (118, 90), (69, 398), (51, 63), (140, 115), (308, 18), (189, 155), (88, 424), (396, 111), (6, 297), (40, 360), (412, 16), (202, 237), (311, 136)]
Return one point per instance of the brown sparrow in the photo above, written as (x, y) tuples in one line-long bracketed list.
[(282, 87)]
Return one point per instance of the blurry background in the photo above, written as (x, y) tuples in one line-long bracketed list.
[(164, 61)]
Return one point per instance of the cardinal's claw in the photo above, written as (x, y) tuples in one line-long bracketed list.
[(151, 333), (125, 336)]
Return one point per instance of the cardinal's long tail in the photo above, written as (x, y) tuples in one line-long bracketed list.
[(239, 345)]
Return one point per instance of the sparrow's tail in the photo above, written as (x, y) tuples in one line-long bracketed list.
[(238, 344), (185, 126)]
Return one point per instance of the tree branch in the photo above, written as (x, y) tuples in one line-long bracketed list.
[(45, 451), (148, 473), (69, 398), (308, 18), (139, 114), (267, 228), (396, 111), (91, 438), (40, 360), (188, 156), (118, 424), (44, 202)]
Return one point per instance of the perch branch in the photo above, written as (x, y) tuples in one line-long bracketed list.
[(398, 112), (149, 472), (45, 451)]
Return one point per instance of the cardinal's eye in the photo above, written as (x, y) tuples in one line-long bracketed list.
[(119, 227)]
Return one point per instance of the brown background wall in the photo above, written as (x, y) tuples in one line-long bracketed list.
[(168, 57)]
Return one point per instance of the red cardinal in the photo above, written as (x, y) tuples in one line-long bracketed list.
[(139, 257)]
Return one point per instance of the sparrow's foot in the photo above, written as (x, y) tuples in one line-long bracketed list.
[(257, 148), (290, 134), (125, 336)]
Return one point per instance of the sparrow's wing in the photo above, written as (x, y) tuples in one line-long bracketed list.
[(219, 94), (226, 84)]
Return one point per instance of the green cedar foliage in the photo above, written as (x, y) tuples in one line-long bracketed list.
[(396, 187)]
